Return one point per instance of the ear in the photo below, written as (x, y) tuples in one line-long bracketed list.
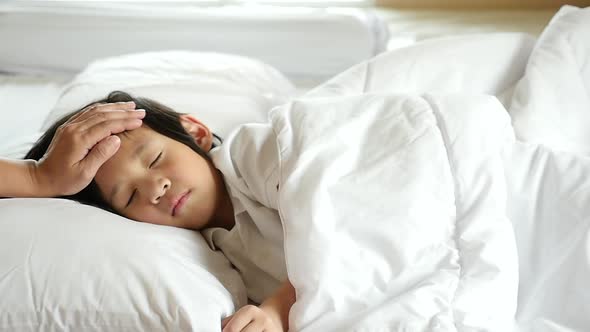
[(201, 133)]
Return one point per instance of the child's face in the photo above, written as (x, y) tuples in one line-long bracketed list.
[(157, 172)]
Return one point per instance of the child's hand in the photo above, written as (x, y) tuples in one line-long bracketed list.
[(81, 145), (251, 318)]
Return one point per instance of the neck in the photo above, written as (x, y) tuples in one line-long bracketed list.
[(224, 216)]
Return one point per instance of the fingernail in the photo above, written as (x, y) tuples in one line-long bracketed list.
[(140, 110)]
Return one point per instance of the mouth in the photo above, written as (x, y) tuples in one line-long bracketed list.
[(179, 202)]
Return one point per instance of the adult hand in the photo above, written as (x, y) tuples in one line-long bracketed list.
[(81, 145), (251, 318)]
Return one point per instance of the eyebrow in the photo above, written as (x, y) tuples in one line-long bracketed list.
[(136, 154)]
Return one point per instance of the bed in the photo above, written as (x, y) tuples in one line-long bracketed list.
[(132, 276)]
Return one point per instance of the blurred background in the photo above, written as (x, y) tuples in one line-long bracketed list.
[(309, 41)]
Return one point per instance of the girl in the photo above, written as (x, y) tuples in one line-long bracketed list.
[(170, 172)]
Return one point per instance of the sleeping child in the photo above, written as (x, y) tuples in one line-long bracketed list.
[(171, 171)]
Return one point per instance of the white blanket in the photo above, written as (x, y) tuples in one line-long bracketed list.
[(551, 104), (393, 209), (550, 190), (549, 205), (547, 192)]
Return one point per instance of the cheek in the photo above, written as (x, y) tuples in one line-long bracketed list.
[(147, 214)]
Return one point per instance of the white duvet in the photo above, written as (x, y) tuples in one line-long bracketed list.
[(422, 212), (394, 216)]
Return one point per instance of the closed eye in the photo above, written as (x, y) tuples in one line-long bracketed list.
[(135, 190), (131, 197), (156, 160)]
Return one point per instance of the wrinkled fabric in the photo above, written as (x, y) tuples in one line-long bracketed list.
[(551, 102), (248, 161), (394, 213)]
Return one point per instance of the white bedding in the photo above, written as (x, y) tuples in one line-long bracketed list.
[(549, 187), (469, 63), (393, 209), (549, 206), (551, 104), (69, 267), (547, 196), (547, 200), (405, 213)]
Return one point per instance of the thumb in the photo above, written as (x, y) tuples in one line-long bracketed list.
[(100, 153)]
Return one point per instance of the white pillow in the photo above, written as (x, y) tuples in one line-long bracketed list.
[(222, 90), (67, 266), (551, 104), (479, 63)]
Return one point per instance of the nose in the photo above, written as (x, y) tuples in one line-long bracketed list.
[(157, 188)]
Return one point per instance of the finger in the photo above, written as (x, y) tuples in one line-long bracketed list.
[(238, 322), (98, 118), (98, 155), (83, 111), (101, 130), (98, 107), (128, 105), (256, 325), (101, 107)]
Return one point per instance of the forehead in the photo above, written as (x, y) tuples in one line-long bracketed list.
[(132, 138), (132, 141), (142, 132), (116, 168)]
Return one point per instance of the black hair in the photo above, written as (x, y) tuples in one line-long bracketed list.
[(158, 117)]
